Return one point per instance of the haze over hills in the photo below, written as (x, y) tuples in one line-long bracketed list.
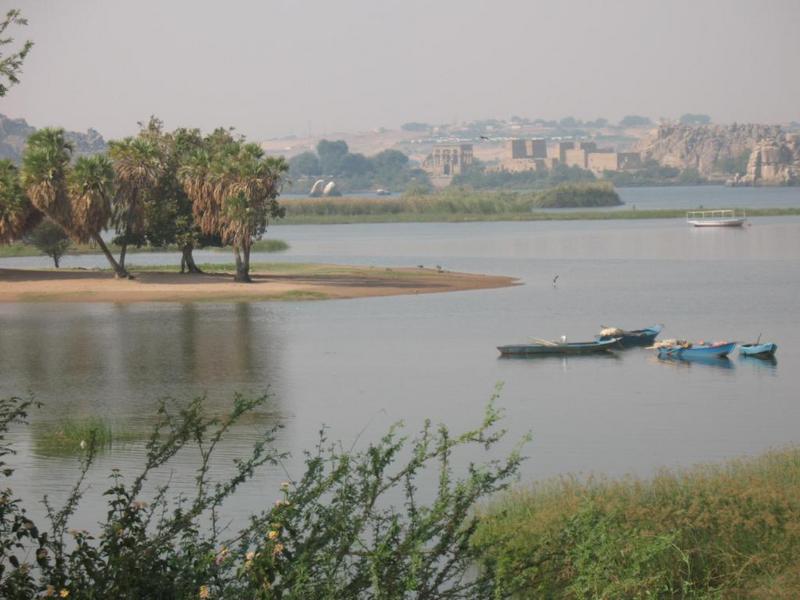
[(15, 132)]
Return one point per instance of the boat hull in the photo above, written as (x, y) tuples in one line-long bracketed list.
[(636, 337), (719, 223), (758, 350), (557, 348), (705, 351)]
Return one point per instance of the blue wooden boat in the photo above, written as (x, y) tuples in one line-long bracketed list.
[(717, 350), (543, 347), (634, 337), (758, 350)]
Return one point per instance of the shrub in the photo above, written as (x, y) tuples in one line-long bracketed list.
[(332, 534)]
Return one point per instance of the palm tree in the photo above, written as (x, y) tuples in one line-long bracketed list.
[(77, 199), (138, 167), (234, 190), (91, 187), (17, 214), (253, 183), (45, 166)]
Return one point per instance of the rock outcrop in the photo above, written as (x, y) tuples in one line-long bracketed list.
[(15, 132), (704, 147), (773, 162)]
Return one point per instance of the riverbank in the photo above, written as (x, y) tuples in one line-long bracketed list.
[(271, 281), (550, 215), (716, 531)]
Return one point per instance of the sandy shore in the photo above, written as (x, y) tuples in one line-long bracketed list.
[(310, 282)]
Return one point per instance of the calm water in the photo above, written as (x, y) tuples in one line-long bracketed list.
[(359, 365)]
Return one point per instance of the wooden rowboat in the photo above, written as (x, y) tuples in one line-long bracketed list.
[(544, 347), (758, 350), (634, 337), (717, 350)]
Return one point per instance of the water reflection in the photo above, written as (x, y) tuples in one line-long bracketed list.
[(720, 362), (82, 359), (768, 363)]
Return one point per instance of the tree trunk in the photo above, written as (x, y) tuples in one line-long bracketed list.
[(123, 251), (55, 259), (242, 263), (119, 270), (187, 260)]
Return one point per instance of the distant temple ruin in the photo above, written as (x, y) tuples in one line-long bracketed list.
[(534, 155), (447, 160)]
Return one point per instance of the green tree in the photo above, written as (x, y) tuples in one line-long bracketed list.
[(50, 239), (138, 166), (331, 155), (305, 164), (168, 212), (17, 214), (11, 65), (78, 199)]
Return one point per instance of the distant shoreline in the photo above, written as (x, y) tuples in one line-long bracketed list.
[(283, 282), (567, 214)]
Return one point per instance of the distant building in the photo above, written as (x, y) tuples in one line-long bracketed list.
[(597, 162), (559, 151), (447, 160), (525, 155), (534, 155)]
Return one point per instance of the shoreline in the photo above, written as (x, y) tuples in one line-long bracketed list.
[(555, 214), (303, 282)]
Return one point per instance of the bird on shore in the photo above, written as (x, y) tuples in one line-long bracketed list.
[(483, 137), (554, 280)]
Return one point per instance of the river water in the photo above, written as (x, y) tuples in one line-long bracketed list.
[(359, 365)]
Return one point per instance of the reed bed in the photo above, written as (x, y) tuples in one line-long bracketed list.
[(459, 201), (75, 435), (729, 531)]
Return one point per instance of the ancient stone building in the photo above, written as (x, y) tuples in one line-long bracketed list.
[(447, 160), (525, 155), (559, 151), (600, 161)]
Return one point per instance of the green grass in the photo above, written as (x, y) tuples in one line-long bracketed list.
[(726, 531), (74, 435)]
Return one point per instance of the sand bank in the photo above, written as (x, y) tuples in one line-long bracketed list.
[(300, 282)]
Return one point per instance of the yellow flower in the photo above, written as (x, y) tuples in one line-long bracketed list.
[(64, 593), (272, 535), (204, 592), (277, 549)]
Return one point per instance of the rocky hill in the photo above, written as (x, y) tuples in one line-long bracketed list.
[(704, 147), (773, 162), (14, 133)]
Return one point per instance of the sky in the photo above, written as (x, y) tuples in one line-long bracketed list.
[(272, 68)]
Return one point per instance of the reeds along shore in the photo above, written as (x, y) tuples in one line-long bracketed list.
[(711, 532), (461, 201)]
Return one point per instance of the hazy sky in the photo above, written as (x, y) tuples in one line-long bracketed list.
[(276, 67)]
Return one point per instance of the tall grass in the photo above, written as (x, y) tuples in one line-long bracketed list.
[(459, 201), (74, 435), (713, 531)]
